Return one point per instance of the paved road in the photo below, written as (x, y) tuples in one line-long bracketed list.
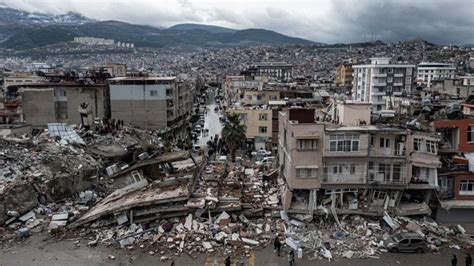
[(40, 250), (211, 122)]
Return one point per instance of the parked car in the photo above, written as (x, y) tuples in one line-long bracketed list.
[(222, 158), (405, 242), (266, 161)]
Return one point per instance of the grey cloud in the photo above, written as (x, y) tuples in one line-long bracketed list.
[(440, 21)]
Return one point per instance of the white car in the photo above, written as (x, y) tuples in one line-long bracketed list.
[(264, 153), (222, 158), (266, 161)]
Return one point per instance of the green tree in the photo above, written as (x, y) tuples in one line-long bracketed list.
[(233, 133)]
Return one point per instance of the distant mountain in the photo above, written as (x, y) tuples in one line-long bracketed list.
[(144, 36), (12, 20), (209, 28), (19, 17)]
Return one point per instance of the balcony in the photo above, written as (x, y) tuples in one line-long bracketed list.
[(379, 84), (398, 75), (379, 93), (356, 178), (398, 84), (380, 75), (378, 178), (386, 152)]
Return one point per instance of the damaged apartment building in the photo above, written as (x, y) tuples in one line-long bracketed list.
[(349, 166), (57, 97), (161, 103)]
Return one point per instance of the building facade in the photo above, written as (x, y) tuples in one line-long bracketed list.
[(429, 72), (363, 169), (344, 75), (381, 78), (162, 103)]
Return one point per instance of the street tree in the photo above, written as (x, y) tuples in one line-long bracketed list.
[(233, 133)]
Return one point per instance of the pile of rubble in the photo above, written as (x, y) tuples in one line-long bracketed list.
[(358, 237)]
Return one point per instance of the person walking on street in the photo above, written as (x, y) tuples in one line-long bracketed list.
[(454, 261), (291, 258), (277, 245), (227, 261), (468, 260)]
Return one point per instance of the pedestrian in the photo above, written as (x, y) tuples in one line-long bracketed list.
[(277, 245), (291, 258), (227, 261), (172, 263), (468, 260), (454, 261)]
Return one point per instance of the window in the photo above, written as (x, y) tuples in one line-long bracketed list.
[(305, 172), (384, 143), (307, 144), (263, 117), (153, 93), (372, 140), (397, 169), (389, 79), (390, 70), (337, 169), (431, 146), (470, 133), (466, 187), (416, 241), (169, 92), (404, 241), (344, 143), (417, 144), (62, 93), (262, 129), (352, 169), (136, 176)]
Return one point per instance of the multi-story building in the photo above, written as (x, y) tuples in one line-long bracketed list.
[(258, 126), (162, 103), (277, 70), (300, 159), (428, 72), (344, 75), (456, 178), (234, 85), (381, 78), (259, 97), (50, 102), (355, 168)]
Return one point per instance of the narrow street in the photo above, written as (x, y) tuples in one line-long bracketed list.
[(211, 121)]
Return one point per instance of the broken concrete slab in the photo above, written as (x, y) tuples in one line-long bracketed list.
[(189, 222), (60, 216), (250, 241)]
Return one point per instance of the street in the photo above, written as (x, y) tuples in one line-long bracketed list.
[(211, 122), (42, 250)]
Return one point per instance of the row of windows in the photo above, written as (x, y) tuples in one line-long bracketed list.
[(306, 172), (344, 143), (422, 145), (466, 187)]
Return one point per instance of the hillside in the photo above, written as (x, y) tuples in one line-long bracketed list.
[(208, 28), (144, 36)]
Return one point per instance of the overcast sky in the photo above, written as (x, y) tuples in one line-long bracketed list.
[(330, 21)]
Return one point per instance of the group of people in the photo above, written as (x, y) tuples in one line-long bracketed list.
[(467, 260), (277, 249)]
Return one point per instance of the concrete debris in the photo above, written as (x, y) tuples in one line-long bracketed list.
[(129, 190)]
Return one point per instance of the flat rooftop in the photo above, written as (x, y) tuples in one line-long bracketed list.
[(141, 78)]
